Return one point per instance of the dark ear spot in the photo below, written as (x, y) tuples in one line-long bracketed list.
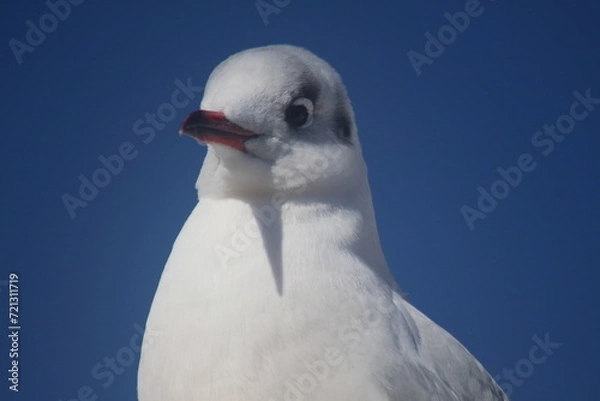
[(309, 90), (343, 129)]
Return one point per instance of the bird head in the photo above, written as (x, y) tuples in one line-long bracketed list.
[(276, 119)]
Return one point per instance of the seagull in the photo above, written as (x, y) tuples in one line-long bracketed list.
[(277, 288)]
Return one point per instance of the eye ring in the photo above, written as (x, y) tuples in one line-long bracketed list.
[(299, 114)]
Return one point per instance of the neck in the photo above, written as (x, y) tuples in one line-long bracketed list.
[(258, 224), (280, 224)]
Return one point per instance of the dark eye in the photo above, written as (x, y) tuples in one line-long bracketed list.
[(299, 113)]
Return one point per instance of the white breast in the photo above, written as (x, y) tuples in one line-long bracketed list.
[(232, 318)]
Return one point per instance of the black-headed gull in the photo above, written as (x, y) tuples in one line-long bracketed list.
[(277, 288)]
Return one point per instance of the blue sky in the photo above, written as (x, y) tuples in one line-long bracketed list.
[(432, 136)]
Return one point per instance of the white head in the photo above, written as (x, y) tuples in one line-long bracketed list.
[(276, 119)]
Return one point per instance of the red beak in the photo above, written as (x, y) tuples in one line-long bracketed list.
[(213, 127)]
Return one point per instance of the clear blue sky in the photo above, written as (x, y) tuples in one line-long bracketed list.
[(430, 140)]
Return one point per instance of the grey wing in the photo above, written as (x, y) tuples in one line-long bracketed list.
[(456, 373)]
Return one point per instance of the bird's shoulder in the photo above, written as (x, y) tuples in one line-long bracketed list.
[(449, 370)]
